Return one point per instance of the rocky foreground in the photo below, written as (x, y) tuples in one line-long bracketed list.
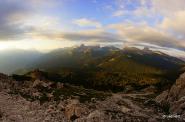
[(41, 100)]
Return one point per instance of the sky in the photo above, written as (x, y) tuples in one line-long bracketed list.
[(45, 25)]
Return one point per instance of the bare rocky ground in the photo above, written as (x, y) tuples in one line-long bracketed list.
[(27, 102)]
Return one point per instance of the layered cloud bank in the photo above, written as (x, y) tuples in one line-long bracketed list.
[(156, 23)]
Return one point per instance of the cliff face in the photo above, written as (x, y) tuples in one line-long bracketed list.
[(177, 91), (174, 98)]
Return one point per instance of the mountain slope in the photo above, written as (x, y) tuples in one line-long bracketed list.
[(111, 68)]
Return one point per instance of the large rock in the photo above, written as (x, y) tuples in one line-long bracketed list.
[(162, 98), (175, 97), (75, 110), (178, 90)]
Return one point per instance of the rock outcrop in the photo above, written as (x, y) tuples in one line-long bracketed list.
[(174, 98)]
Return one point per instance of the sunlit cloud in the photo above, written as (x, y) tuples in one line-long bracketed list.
[(84, 22), (146, 34), (118, 13), (175, 24)]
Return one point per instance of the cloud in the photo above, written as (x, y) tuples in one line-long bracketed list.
[(118, 13), (84, 22), (142, 33), (19, 18), (175, 24), (95, 36), (92, 35), (157, 22), (168, 7), (149, 7), (9, 29), (136, 9), (164, 7)]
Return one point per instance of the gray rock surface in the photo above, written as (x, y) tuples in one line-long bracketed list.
[(174, 98), (20, 102)]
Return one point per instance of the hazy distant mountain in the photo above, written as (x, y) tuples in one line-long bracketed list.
[(12, 60)]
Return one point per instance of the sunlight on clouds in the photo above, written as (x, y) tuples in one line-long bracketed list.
[(84, 22), (175, 24), (142, 33), (51, 24), (168, 7), (35, 21), (118, 13), (40, 45)]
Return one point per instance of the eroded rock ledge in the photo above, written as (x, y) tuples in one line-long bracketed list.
[(174, 98)]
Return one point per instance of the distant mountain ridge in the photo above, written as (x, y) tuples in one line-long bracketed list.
[(110, 67), (68, 56), (100, 67)]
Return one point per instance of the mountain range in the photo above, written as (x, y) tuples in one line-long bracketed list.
[(106, 68)]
